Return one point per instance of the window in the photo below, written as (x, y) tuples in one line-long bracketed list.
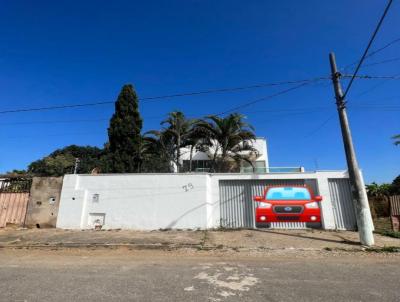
[(288, 193), (197, 165), (259, 167)]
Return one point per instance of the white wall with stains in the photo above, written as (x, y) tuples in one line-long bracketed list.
[(162, 201), (134, 201)]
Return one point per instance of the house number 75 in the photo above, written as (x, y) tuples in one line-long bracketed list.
[(188, 187)]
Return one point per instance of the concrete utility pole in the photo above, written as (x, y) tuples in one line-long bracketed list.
[(364, 219), (76, 165)]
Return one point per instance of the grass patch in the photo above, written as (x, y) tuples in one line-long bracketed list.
[(385, 249), (382, 224), (390, 233)]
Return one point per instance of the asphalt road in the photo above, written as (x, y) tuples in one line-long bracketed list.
[(35, 275)]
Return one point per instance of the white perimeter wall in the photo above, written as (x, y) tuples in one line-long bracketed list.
[(130, 201), (154, 201)]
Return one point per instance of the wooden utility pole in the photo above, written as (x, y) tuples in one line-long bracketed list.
[(364, 219)]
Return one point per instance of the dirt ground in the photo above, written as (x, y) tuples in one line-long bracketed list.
[(238, 240)]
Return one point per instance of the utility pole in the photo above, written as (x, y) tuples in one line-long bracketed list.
[(364, 219), (76, 165)]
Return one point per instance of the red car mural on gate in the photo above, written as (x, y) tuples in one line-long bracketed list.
[(288, 204)]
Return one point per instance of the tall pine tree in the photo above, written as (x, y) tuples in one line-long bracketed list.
[(124, 134)]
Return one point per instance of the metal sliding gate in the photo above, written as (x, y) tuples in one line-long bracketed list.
[(342, 204), (237, 205), (14, 196)]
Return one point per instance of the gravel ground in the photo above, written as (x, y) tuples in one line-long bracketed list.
[(232, 239)]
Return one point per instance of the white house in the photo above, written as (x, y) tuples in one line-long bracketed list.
[(193, 200), (201, 161)]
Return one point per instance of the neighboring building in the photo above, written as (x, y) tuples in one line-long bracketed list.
[(201, 161)]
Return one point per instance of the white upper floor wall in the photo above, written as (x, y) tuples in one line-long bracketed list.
[(260, 144)]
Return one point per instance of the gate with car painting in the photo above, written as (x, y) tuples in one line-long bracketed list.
[(14, 196), (237, 206)]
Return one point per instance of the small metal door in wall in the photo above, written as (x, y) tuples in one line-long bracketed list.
[(342, 203), (237, 205)]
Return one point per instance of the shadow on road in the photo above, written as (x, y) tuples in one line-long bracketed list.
[(342, 239)]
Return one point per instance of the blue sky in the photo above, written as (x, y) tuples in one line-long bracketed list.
[(70, 52)]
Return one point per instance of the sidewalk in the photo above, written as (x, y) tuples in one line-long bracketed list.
[(236, 240)]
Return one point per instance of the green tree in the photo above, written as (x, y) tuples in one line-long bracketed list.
[(124, 134), (229, 139), (376, 190), (395, 186), (176, 135), (62, 161), (153, 157)]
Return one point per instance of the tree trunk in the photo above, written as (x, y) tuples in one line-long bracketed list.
[(191, 158), (178, 153)]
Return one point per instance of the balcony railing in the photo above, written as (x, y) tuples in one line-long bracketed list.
[(262, 170), (259, 170)]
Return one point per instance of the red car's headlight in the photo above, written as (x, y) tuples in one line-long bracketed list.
[(312, 205), (265, 205)]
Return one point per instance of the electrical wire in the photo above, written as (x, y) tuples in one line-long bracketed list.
[(372, 53), (383, 62), (394, 77), (221, 90), (367, 49), (323, 124), (261, 99), (279, 111)]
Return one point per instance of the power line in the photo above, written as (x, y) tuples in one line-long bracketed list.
[(368, 47), (69, 121), (297, 87), (263, 85), (323, 124), (374, 87), (55, 107), (372, 53), (55, 122), (394, 77), (285, 111), (261, 99), (302, 83), (220, 90), (382, 48), (383, 62)]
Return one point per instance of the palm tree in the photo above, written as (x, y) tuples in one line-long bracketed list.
[(230, 140), (177, 134), (396, 139), (152, 155)]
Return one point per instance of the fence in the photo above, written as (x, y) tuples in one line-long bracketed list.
[(395, 212), (14, 196)]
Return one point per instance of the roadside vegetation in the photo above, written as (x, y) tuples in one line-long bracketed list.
[(379, 201), (129, 150)]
